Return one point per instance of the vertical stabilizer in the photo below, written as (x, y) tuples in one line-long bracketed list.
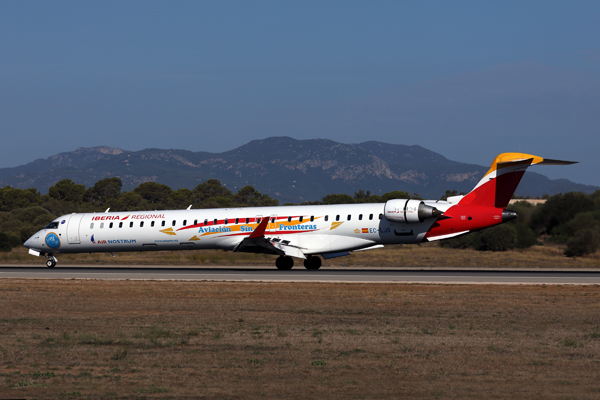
[(498, 185)]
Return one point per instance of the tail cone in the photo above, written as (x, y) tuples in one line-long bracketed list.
[(508, 215)]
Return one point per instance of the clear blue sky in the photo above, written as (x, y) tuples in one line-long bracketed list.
[(466, 79)]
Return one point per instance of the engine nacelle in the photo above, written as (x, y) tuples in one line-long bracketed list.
[(409, 211)]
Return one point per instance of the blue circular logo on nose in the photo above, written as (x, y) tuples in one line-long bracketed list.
[(52, 240)]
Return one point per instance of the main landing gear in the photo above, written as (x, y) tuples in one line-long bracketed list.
[(51, 261), (312, 262), (285, 263)]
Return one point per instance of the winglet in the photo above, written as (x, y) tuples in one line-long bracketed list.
[(260, 229)]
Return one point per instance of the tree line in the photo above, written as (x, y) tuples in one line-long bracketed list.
[(572, 218)]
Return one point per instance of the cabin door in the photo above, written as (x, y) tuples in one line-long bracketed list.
[(73, 228)]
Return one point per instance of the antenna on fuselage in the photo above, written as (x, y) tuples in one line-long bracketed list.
[(190, 207), (107, 210)]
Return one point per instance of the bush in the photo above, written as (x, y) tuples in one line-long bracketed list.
[(525, 236), (7, 242), (497, 238), (468, 241), (584, 242), (559, 209)]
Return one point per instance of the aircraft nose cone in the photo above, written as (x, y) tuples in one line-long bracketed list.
[(32, 241), (508, 215)]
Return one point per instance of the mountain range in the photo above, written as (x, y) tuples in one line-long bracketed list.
[(284, 168)]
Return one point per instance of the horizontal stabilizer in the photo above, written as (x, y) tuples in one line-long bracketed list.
[(548, 161), (498, 185)]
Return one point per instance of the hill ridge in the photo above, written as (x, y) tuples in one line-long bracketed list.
[(289, 169)]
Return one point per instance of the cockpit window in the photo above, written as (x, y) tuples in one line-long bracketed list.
[(52, 225)]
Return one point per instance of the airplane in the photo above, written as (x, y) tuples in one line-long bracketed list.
[(292, 232)]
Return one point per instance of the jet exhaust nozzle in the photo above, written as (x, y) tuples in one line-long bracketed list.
[(426, 211), (508, 215)]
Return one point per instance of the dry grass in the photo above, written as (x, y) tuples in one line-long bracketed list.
[(124, 339), (428, 255)]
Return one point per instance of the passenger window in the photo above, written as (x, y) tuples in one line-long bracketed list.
[(120, 224), (215, 222), (205, 222), (184, 222), (141, 224), (380, 216), (237, 220), (312, 218), (110, 225), (337, 217), (272, 219), (289, 219), (370, 216), (326, 218), (92, 225), (163, 223), (195, 222), (360, 217), (226, 221), (102, 225), (247, 220), (131, 224), (152, 224), (349, 217), (300, 219), (173, 224)]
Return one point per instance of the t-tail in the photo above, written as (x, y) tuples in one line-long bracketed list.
[(485, 205), (498, 185)]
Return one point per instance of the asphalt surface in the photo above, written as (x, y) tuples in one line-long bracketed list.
[(259, 274)]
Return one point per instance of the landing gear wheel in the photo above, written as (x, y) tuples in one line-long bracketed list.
[(312, 262), (284, 263), (50, 263)]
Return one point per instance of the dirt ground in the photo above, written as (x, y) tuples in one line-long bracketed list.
[(164, 339)]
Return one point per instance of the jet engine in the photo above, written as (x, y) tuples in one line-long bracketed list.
[(410, 211)]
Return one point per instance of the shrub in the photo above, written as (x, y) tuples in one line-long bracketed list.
[(584, 242), (498, 238), (559, 209), (7, 242), (525, 236)]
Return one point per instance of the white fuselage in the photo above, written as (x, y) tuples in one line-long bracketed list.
[(317, 229)]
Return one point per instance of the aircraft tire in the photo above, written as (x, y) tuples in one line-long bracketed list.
[(284, 263), (312, 262), (50, 263)]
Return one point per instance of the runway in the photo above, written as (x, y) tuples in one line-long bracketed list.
[(345, 275)]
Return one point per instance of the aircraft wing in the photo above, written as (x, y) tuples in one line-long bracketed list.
[(258, 243)]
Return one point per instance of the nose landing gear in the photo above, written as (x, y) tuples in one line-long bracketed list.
[(51, 261)]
